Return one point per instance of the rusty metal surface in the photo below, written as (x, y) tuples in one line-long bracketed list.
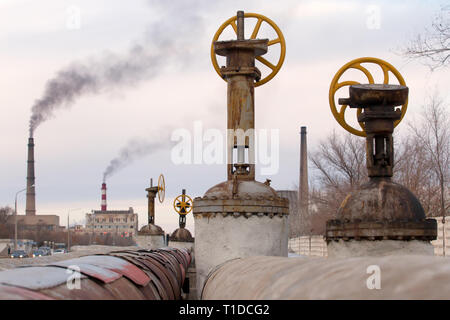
[(249, 198), (375, 95), (155, 283), (162, 282), (165, 266), (381, 200), (90, 290), (126, 275), (34, 278), (102, 274), (124, 289), (240, 73), (169, 274), (17, 293), (157, 274), (118, 265), (380, 209), (381, 230), (151, 228)]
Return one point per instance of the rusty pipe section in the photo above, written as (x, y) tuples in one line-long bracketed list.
[(387, 277), (119, 275), (241, 73)]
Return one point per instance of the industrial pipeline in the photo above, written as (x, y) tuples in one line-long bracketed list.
[(120, 275), (387, 277)]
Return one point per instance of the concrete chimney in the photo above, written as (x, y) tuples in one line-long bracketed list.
[(30, 209), (303, 190), (103, 206)]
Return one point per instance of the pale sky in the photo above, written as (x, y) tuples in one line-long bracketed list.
[(74, 148)]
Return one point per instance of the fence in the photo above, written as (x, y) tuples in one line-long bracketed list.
[(443, 233), (308, 246)]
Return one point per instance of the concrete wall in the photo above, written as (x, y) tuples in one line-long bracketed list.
[(219, 239), (150, 241), (294, 218)]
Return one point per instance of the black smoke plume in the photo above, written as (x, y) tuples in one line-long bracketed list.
[(167, 40), (137, 148)]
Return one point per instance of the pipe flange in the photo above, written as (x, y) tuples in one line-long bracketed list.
[(403, 230)]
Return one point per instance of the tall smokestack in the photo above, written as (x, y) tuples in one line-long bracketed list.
[(103, 207), (303, 192), (30, 209)]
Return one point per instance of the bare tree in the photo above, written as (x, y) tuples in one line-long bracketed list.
[(5, 213), (432, 135), (433, 46), (413, 170), (422, 164), (5, 223), (339, 164)]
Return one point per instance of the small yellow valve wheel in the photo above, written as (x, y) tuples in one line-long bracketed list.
[(183, 204), (161, 188), (279, 40), (335, 85)]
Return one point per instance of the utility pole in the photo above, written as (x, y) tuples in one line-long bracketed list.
[(68, 233), (15, 216)]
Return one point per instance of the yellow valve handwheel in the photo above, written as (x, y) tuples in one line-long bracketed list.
[(336, 85), (280, 39), (183, 204), (161, 188)]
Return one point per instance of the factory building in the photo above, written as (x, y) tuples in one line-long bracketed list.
[(115, 222), (41, 222)]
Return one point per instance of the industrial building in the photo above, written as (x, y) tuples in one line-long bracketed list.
[(119, 222), (115, 222), (49, 222)]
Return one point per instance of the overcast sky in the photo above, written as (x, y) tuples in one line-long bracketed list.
[(38, 38)]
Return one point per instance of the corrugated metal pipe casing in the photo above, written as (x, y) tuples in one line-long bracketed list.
[(119, 275)]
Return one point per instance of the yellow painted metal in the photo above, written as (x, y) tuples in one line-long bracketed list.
[(183, 204), (161, 188), (336, 85), (280, 39)]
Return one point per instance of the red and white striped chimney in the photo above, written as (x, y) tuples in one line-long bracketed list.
[(103, 196)]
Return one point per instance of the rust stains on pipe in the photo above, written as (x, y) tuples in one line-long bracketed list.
[(119, 275)]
